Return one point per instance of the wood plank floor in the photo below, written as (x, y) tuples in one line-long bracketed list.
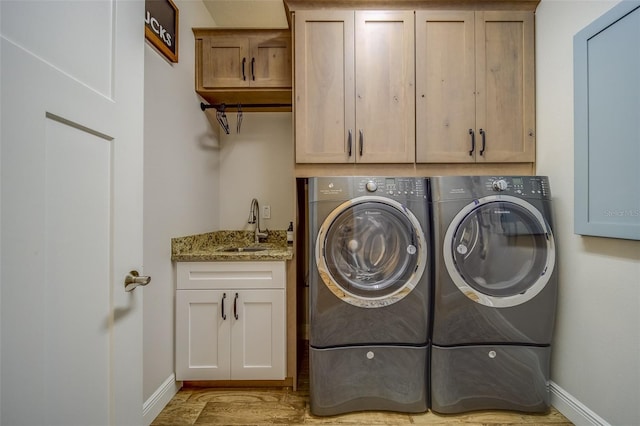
[(284, 406)]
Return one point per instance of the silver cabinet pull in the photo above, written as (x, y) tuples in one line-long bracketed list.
[(133, 280)]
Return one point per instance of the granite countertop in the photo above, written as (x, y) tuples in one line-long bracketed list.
[(214, 246)]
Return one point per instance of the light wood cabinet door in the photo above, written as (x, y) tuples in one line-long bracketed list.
[(445, 85), (270, 63), (385, 86), (505, 85), (324, 86), (475, 86), (354, 86), (224, 61)]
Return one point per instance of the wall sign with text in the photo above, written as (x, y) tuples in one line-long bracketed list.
[(161, 27)]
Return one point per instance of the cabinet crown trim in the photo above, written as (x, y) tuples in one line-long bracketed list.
[(293, 5)]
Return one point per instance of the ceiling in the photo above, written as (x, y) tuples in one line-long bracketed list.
[(247, 13)]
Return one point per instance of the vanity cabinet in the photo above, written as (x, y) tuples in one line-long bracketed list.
[(354, 86), (475, 86), (243, 66), (231, 320)]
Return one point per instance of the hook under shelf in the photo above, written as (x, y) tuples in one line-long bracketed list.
[(221, 116)]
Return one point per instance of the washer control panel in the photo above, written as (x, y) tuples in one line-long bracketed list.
[(402, 187)]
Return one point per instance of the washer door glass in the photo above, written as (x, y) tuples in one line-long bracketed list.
[(502, 251), (371, 250)]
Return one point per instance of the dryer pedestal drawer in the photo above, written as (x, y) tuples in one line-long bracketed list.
[(495, 377), (358, 378)]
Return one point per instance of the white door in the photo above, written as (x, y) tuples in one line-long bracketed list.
[(71, 218)]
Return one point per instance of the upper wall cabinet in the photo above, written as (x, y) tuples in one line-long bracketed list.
[(243, 66), (475, 86), (354, 86)]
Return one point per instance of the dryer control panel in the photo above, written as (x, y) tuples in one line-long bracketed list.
[(393, 187), (470, 187)]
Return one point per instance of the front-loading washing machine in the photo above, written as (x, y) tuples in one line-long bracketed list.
[(495, 289), (369, 294)]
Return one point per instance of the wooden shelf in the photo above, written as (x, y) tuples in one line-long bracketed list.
[(246, 97)]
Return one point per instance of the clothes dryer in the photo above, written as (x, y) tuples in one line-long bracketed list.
[(369, 294), (495, 293)]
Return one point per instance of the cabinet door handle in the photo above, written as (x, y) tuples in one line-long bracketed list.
[(235, 306), (361, 141), (244, 61), (484, 141), (253, 63), (349, 141), (224, 316), (473, 141)]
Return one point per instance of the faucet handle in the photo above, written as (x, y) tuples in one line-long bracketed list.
[(261, 236)]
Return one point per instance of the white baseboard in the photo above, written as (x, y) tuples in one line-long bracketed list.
[(160, 398), (573, 409)]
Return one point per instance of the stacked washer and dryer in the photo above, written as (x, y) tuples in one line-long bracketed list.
[(430, 292)]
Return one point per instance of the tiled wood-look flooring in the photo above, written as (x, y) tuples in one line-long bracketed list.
[(283, 406)]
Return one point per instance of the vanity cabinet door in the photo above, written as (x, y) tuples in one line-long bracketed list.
[(258, 336), (202, 335)]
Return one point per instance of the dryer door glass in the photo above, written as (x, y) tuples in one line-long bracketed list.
[(500, 249), (370, 250)]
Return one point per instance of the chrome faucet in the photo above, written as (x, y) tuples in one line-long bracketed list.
[(254, 218)]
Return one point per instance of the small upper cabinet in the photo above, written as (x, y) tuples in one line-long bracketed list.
[(243, 66), (475, 86)]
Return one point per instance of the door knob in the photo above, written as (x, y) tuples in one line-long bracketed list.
[(133, 280)]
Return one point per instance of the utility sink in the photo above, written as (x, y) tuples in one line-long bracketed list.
[(243, 249)]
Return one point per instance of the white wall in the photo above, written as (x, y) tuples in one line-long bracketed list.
[(257, 163), (597, 343), (181, 184)]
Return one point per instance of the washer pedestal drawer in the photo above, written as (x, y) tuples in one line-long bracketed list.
[(358, 378), (490, 377)]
